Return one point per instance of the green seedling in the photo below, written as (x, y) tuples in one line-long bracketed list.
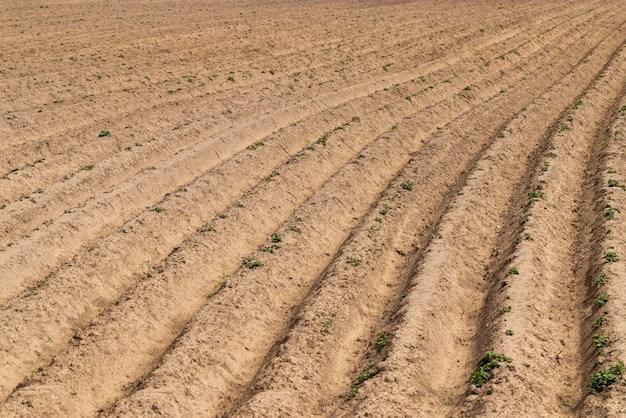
[(609, 211), (600, 340), (598, 322), (615, 183), (365, 375), (604, 378), (382, 341), (251, 264), (603, 299), (408, 185), (148, 265), (512, 270), (219, 285), (491, 360), (536, 194), (353, 261), (273, 174), (271, 248), (504, 310), (255, 145), (610, 257)]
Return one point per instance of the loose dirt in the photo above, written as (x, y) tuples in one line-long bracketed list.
[(261, 209)]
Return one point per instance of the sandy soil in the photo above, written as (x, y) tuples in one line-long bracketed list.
[(304, 209)]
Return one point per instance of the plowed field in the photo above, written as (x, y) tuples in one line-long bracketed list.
[(319, 208)]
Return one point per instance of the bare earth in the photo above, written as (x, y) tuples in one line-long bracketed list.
[(317, 208)]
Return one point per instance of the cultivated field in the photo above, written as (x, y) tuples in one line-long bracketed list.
[(317, 208)]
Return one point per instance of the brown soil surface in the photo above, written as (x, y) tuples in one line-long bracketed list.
[(305, 209)]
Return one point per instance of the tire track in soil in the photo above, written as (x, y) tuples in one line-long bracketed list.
[(238, 367), (555, 264), (129, 339), (608, 279), (450, 279), (310, 370)]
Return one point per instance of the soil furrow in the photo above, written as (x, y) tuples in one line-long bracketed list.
[(192, 292), (126, 100), (37, 157), (203, 200), (336, 321), (463, 105), (607, 286), (55, 232), (21, 153), (171, 367), (24, 263), (243, 208), (551, 267), (151, 243), (326, 333), (454, 264), (23, 275)]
